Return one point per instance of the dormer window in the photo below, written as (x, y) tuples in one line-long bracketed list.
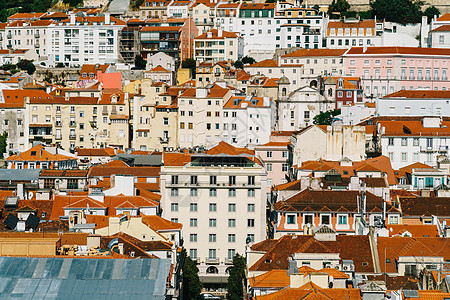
[(84, 75), (340, 83), (113, 99), (33, 153), (91, 75)]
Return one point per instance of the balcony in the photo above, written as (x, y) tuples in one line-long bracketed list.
[(37, 35), (9, 46), (36, 44), (427, 149), (72, 137), (212, 261), (443, 149), (228, 261), (9, 35), (164, 140), (58, 124)]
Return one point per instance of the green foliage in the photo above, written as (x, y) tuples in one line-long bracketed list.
[(238, 64), (191, 286), (365, 15), (430, 12), (10, 7), (189, 63), (325, 118), (338, 6), (27, 65), (3, 143), (248, 60), (135, 4), (316, 7), (235, 285), (400, 11), (139, 63), (73, 3)]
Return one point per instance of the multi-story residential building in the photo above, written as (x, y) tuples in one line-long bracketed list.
[(297, 109), (154, 8), (316, 62), (352, 33), (14, 120), (209, 71), (176, 41), (155, 117), (40, 157), (159, 74), (89, 118), (344, 90), (248, 121), (214, 231), (218, 45), (384, 70), (178, 9), (297, 27), (256, 25), (200, 118), (406, 103), (337, 209), (272, 68), (406, 140), (161, 59), (202, 12), (32, 35), (226, 16), (80, 40), (440, 37)]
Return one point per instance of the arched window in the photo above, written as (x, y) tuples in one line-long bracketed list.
[(330, 92), (313, 83), (212, 270), (283, 92), (227, 271)]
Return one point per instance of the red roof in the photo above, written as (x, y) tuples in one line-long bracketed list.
[(161, 28), (398, 50), (38, 153), (316, 52), (215, 35), (267, 63), (360, 24), (442, 28), (419, 94)]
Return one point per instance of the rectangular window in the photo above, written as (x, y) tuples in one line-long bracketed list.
[(231, 207), (174, 207), (251, 180), (194, 192), (193, 222), (212, 222), (194, 179), (391, 141), (342, 220), (212, 238), (291, 219), (325, 219), (416, 142), (232, 180), (212, 179), (269, 154), (231, 253), (174, 179), (193, 253), (193, 237), (212, 207), (404, 142), (193, 207), (232, 193), (174, 192), (250, 207), (250, 222), (231, 222), (212, 254), (251, 193), (251, 237), (231, 238), (212, 192)]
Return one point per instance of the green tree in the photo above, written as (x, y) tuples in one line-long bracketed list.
[(325, 118), (338, 6), (3, 143), (73, 3), (430, 12), (190, 63), (235, 284), (139, 63), (238, 64), (247, 60), (26, 65), (400, 11), (135, 4), (191, 287)]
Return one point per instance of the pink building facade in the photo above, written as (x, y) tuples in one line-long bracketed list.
[(384, 70)]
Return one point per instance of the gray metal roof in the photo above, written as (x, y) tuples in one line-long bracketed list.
[(142, 160), (19, 174), (76, 278)]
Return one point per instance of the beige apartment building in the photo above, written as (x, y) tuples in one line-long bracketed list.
[(220, 198), (200, 119), (155, 119), (85, 118), (218, 45)]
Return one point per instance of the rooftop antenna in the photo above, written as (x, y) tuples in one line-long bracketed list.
[(362, 200)]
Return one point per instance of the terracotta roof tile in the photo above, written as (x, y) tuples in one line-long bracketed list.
[(159, 224), (397, 50), (267, 63), (444, 17), (95, 151), (360, 24), (272, 279), (107, 171), (316, 52), (38, 153), (215, 35), (414, 230)]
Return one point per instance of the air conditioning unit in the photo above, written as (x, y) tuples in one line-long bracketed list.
[(345, 268)]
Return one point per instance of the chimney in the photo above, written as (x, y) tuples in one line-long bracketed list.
[(93, 240), (120, 246), (220, 33), (20, 191), (107, 19), (72, 19), (365, 48)]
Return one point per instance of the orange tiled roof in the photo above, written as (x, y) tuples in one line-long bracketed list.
[(419, 94), (442, 28), (411, 127), (254, 102), (38, 153), (398, 50), (267, 63), (272, 279), (415, 230), (360, 24), (107, 171), (95, 151), (225, 148), (159, 224), (98, 20), (444, 17), (159, 69), (161, 28), (258, 6), (311, 291), (215, 92), (316, 52), (215, 35)]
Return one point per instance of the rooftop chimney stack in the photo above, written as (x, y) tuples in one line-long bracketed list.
[(72, 19), (107, 19), (220, 33)]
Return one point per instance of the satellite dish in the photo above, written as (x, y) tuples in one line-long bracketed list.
[(248, 240), (30, 195)]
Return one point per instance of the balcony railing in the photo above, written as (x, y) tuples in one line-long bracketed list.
[(212, 260), (443, 148), (427, 149)]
